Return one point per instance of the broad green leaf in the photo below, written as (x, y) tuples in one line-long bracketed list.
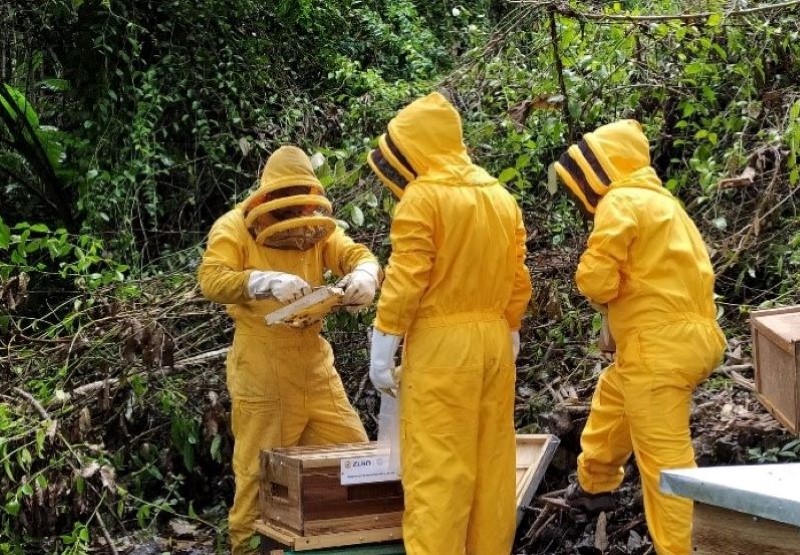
[(552, 179), (714, 20), (371, 200), (215, 448), (13, 507), (317, 161), (57, 85), (695, 67), (22, 105), (339, 170), (597, 322), (5, 235), (357, 215), (507, 175)]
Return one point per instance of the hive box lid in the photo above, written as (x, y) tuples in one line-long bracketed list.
[(769, 491), (782, 325), (534, 453)]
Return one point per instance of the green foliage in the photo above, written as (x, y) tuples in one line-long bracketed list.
[(169, 109), (788, 452), (133, 459), (127, 127), (35, 249)]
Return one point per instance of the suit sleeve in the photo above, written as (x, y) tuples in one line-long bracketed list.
[(341, 254), (615, 229), (408, 272), (221, 276), (522, 291)]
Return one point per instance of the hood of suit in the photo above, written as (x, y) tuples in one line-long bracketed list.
[(610, 155), (424, 139), (289, 210)]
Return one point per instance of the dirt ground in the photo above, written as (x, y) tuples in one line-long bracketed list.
[(729, 426)]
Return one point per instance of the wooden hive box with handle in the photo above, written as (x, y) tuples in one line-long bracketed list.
[(309, 501), (302, 491), (776, 356)]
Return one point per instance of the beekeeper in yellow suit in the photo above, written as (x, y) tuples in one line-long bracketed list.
[(456, 289), (270, 250), (647, 263)]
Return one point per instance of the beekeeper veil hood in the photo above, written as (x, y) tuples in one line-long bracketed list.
[(610, 154), (289, 209), (423, 138)]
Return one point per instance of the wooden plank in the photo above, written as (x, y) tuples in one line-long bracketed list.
[(333, 459), (777, 381), (789, 421), (324, 497), (375, 521), (357, 537), (394, 548), (308, 543), (307, 310), (280, 491), (534, 453), (717, 530), (276, 533)]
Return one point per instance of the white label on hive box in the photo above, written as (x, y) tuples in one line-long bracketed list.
[(366, 470)]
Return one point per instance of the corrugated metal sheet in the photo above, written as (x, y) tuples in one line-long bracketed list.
[(768, 491)]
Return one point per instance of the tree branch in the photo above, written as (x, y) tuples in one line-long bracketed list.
[(566, 11), (559, 67)]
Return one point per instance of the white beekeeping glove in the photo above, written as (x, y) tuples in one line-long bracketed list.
[(284, 287), (360, 286), (381, 361), (515, 345)]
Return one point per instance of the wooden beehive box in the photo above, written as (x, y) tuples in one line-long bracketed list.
[(305, 506), (302, 492), (741, 510), (776, 356)]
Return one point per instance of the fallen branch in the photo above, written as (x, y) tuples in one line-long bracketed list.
[(46, 417), (106, 535), (627, 528), (560, 503), (540, 523), (747, 177), (94, 386), (555, 493), (183, 363), (34, 403), (208, 356), (742, 381), (573, 408), (600, 534), (734, 368)]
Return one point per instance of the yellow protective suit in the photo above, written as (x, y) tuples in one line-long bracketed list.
[(646, 260), (283, 385), (455, 285)]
